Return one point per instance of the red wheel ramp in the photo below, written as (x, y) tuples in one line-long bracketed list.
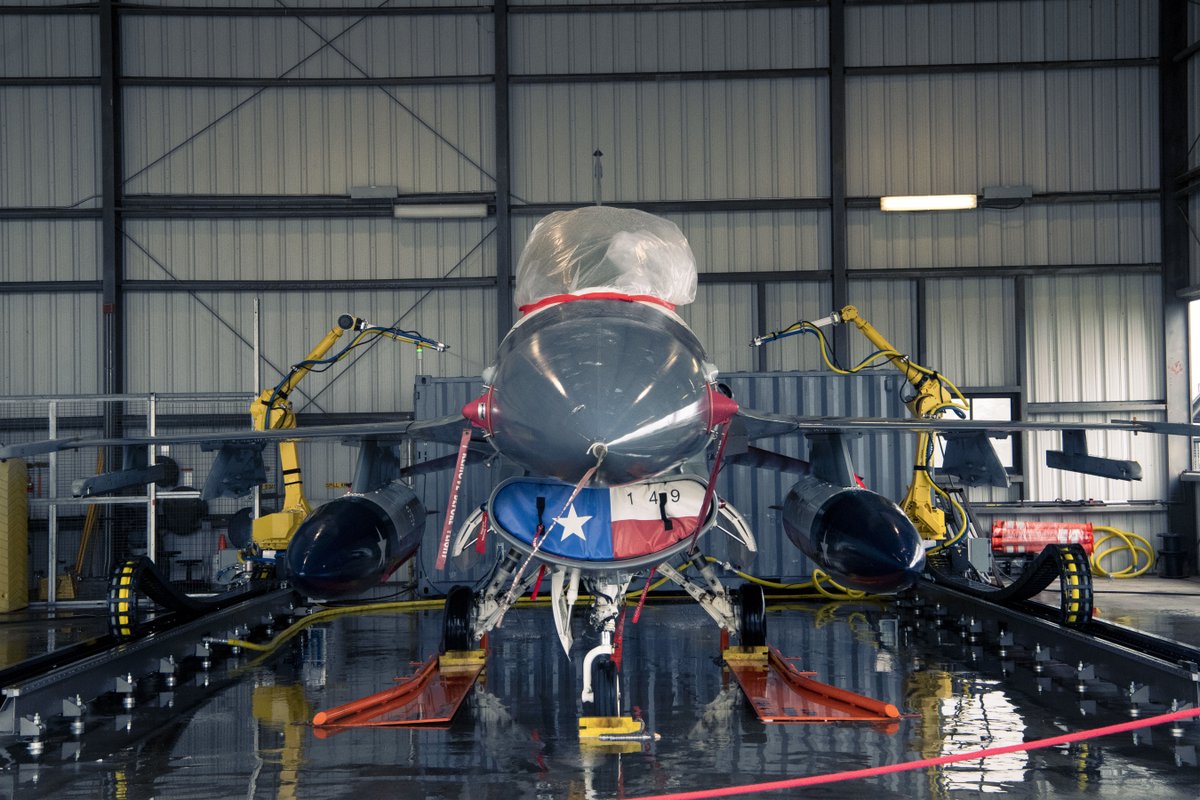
[(781, 693), (429, 698)]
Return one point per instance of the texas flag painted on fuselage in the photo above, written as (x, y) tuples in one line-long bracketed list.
[(599, 524)]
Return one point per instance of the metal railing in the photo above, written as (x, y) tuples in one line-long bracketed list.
[(52, 502)]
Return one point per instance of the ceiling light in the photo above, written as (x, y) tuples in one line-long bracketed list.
[(440, 211), (927, 202)]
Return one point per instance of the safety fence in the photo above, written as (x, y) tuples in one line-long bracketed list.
[(82, 525)]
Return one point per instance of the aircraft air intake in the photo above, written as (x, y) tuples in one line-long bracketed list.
[(861, 538), (355, 542)]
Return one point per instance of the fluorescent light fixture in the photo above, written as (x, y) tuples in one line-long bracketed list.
[(440, 211), (927, 202)]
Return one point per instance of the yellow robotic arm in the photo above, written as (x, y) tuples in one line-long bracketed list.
[(273, 410), (930, 398)]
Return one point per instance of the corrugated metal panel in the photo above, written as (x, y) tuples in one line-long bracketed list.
[(46, 250), (52, 343), (891, 307), (884, 461), (672, 140), (202, 342), (1193, 67), (539, 3), (1075, 233), (274, 4), (387, 46), (49, 45), (304, 249), (788, 303), (1033, 30), (723, 319), (1043, 483), (970, 334), (763, 241), (758, 241), (436, 397), (1070, 130), (1193, 244), (669, 41), (49, 145), (1095, 338), (308, 141), (1193, 71)]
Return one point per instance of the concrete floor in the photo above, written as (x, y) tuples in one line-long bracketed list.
[(243, 732), (1162, 606)]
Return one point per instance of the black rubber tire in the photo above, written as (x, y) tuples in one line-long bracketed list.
[(604, 689), (752, 608), (456, 622)]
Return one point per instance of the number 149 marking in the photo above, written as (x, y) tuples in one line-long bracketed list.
[(654, 497)]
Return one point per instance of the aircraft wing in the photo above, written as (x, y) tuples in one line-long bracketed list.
[(759, 425), (446, 430), (968, 454)]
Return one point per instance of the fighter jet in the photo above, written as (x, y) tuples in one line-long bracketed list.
[(604, 403)]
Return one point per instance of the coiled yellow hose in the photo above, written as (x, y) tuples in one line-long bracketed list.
[(1139, 549)]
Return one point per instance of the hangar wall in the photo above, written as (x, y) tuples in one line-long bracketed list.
[(767, 131)]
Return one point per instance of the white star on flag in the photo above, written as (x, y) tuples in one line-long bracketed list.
[(572, 524)]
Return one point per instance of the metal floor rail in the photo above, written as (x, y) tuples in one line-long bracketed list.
[(61, 684)]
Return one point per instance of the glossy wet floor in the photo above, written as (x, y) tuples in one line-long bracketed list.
[(245, 734)]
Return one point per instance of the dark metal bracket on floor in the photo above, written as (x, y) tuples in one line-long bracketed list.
[(103, 666)]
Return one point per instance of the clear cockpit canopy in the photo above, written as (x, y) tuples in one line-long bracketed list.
[(601, 248)]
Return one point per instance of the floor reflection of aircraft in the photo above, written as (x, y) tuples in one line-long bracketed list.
[(604, 402)]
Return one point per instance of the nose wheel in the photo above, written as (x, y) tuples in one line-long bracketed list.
[(752, 615), (456, 622), (606, 692)]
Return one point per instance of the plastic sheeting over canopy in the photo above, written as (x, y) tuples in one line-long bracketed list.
[(605, 248)]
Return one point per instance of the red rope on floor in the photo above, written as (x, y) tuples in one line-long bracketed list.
[(871, 772)]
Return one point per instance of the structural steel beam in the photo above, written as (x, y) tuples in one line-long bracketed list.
[(111, 268), (504, 266), (718, 276), (1173, 154), (838, 227), (293, 83)]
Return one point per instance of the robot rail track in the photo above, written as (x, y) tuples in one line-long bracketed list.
[(1149, 669), (44, 685)]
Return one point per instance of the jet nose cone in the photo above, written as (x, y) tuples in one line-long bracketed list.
[(338, 551), (598, 372)]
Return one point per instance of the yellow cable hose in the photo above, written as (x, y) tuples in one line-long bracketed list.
[(329, 613), (962, 528), (429, 605), (365, 608), (891, 355), (1137, 546), (820, 576)]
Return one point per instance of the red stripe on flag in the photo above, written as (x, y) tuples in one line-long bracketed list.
[(640, 537)]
